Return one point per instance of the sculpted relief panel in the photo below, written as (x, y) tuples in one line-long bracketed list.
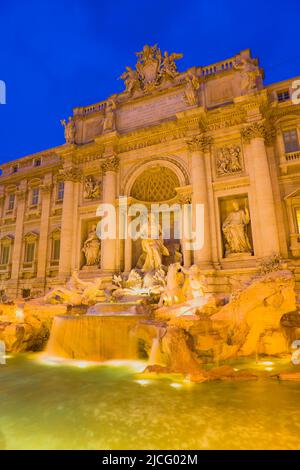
[(229, 160), (92, 188)]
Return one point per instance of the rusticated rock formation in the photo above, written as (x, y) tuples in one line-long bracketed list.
[(249, 324), (28, 334)]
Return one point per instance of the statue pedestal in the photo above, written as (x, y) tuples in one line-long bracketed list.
[(89, 273), (238, 256), (94, 268)]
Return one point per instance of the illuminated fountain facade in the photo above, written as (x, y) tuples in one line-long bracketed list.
[(211, 136)]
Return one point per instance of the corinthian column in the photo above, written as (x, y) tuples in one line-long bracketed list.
[(198, 146), (44, 227), (108, 246), (255, 136), (16, 255), (70, 175)]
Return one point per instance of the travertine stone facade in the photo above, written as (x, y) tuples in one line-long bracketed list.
[(222, 139)]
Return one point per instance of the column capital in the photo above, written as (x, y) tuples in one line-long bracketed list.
[(70, 174), (21, 194), (110, 164), (200, 142), (46, 188), (184, 195), (258, 130)]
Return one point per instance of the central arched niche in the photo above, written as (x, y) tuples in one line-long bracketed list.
[(156, 184)]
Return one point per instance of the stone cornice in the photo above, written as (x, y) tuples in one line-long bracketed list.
[(232, 183)]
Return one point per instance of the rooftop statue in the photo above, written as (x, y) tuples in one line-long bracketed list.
[(151, 69), (249, 72), (70, 130)]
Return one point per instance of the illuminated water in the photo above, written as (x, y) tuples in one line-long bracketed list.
[(44, 406)]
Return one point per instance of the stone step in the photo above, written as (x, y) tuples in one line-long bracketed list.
[(89, 275)]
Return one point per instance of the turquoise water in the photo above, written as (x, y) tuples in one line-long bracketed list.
[(45, 406)]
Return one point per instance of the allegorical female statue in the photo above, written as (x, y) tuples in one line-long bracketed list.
[(153, 248), (91, 248), (234, 230)]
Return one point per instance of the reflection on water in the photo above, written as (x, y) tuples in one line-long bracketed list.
[(107, 407)]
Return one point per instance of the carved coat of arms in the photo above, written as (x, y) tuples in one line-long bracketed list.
[(151, 69)]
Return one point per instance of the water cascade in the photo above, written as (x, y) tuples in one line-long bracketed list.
[(94, 337)]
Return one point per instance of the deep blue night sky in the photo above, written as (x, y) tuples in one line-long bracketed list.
[(59, 54)]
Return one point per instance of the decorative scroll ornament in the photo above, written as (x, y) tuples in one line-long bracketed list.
[(70, 174), (110, 164), (229, 160), (151, 69), (70, 130), (200, 142), (92, 188), (258, 130)]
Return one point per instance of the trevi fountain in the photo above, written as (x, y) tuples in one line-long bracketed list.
[(117, 343)]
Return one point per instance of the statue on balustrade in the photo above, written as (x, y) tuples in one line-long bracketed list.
[(169, 68), (70, 130), (235, 231), (131, 80), (92, 248), (109, 123), (249, 72), (192, 85)]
